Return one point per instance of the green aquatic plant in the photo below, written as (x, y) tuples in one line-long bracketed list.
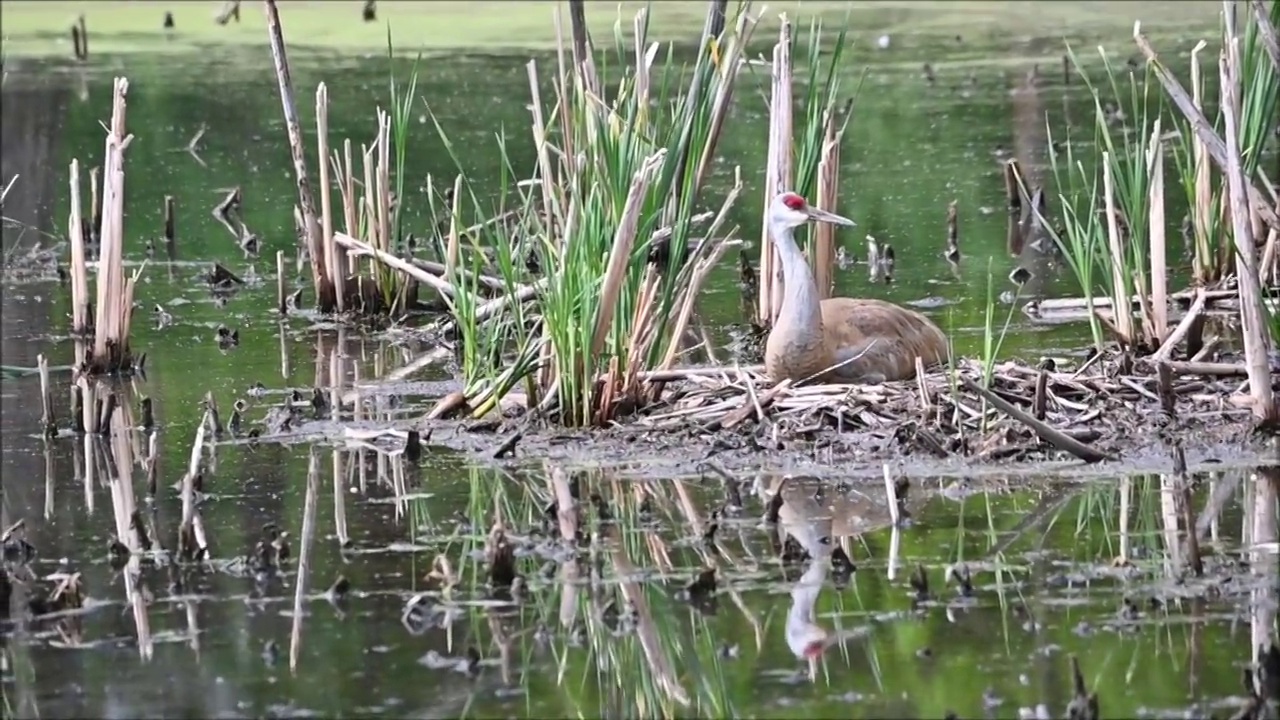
[(1106, 206), (612, 220)]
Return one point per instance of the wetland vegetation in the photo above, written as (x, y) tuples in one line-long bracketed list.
[(442, 397)]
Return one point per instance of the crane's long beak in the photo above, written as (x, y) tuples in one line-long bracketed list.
[(824, 216)]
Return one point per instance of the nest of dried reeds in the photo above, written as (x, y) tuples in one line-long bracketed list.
[(1093, 413)]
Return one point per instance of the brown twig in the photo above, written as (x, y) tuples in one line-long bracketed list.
[(1049, 434)]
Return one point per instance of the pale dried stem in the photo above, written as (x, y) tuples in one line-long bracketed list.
[(1159, 270), (1257, 337), (828, 198), (451, 254), (110, 326), (1120, 300), (623, 242), (326, 199), (304, 559), (311, 229), (777, 173), (79, 267), (359, 247), (1205, 262)]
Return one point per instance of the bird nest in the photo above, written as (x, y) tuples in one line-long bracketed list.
[(1095, 412)]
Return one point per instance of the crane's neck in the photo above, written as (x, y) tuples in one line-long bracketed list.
[(801, 310)]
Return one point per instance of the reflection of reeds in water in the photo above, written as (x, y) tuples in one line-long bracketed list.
[(114, 458), (304, 557)]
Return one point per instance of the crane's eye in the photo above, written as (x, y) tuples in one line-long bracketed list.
[(793, 201)]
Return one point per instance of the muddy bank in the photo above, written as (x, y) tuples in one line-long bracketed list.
[(1031, 420)]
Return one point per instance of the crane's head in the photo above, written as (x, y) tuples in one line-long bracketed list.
[(789, 210)]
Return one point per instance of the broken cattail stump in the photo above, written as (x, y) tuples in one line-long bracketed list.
[(84, 38), (282, 293), (1066, 69), (1013, 185), (46, 398), (95, 205), (168, 227), (1040, 402), (148, 417)]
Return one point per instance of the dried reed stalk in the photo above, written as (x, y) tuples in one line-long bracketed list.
[(1214, 145), (452, 248), (326, 199), (95, 204), (324, 288), (348, 205), (1202, 210), (79, 267), (777, 174), (1159, 325), (170, 228), (732, 60), (47, 421), (824, 250), (1257, 337)]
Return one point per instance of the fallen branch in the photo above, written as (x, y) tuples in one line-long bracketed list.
[(359, 247), (1046, 432)]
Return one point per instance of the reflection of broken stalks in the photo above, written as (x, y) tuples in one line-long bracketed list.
[(227, 212), (192, 544)]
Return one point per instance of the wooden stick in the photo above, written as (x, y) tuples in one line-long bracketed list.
[(1257, 335), (325, 297)]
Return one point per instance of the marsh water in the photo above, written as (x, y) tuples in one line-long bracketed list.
[(611, 634)]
